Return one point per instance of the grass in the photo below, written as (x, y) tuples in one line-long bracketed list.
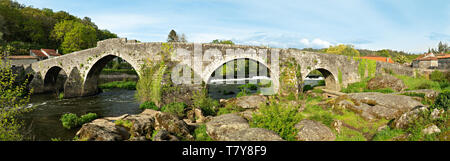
[(419, 83), (149, 105), (176, 108), (229, 108), (125, 123), (200, 134), (131, 85), (70, 120)]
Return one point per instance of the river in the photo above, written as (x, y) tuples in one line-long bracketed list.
[(43, 122)]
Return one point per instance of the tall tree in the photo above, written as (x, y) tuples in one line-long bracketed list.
[(173, 37), (74, 35), (342, 49)]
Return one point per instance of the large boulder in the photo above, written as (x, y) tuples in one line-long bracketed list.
[(405, 119), (252, 134), (309, 130), (223, 125), (375, 105), (102, 130), (386, 81), (428, 93), (248, 102), (142, 127), (231, 127)]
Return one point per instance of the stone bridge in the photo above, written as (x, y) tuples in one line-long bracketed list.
[(287, 67)]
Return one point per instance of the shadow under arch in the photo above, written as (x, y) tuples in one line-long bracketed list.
[(331, 81), (243, 72), (90, 84), (54, 80)]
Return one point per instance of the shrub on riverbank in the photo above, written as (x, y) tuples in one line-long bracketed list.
[(70, 120), (278, 118), (130, 85), (205, 103), (176, 108), (200, 134), (149, 105)]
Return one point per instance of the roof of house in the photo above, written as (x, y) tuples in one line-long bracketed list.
[(51, 52), (431, 56), (39, 53), (22, 57), (378, 58)]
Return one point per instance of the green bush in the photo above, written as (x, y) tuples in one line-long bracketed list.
[(278, 118), (200, 134), (442, 101), (175, 108), (437, 76), (87, 118), (230, 108), (321, 83), (324, 118), (307, 88), (149, 105), (69, 120), (131, 85), (388, 134), (382, 90), (205, 103)]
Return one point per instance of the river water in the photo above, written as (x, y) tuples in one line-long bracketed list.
[(43, 122)]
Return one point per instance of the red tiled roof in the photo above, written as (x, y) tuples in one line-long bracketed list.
[(51, 52), (22, 57), (39, 53), (378, 58), (443, 56)]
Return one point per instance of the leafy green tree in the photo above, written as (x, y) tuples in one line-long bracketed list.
[(173, 37), (74, 35), (13, 98), (342, 49), (217, 41), (384, 53), (401, 59)]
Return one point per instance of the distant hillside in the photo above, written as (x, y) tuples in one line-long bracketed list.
[(23, 28)]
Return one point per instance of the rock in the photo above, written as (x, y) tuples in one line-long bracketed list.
[(142, 124), (139, 138), (386, 81), (102, 130), (253, 134), (221, 126), (374, 105), (431, 130), (337, 124), (248, 114), (403, 121), (248, 102), (436, 113), (381, 128), (172, 124), (428, 93), (309, 130), (231, 127), (164, 135)]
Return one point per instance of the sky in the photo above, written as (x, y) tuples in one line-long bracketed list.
[(412, 26)]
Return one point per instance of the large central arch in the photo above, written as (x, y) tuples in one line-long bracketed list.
[(210, 69), (90, 85), (54, 79)]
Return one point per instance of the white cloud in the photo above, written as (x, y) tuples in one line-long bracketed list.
[(316, 43)]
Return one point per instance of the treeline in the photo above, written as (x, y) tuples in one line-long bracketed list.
[(23, 28), (349, 50)]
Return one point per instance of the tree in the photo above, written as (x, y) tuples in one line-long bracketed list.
[(217, 41), (384, 53), (105, 34), (342, 49), (13, 97), (74, 35), (183, 38), (401, 59), (173, 37)]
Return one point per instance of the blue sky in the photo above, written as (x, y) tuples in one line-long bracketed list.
[(408, 25)]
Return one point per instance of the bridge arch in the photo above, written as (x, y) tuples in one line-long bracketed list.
[(331, 81), (54, 79), (210, 69), (90, 84)]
